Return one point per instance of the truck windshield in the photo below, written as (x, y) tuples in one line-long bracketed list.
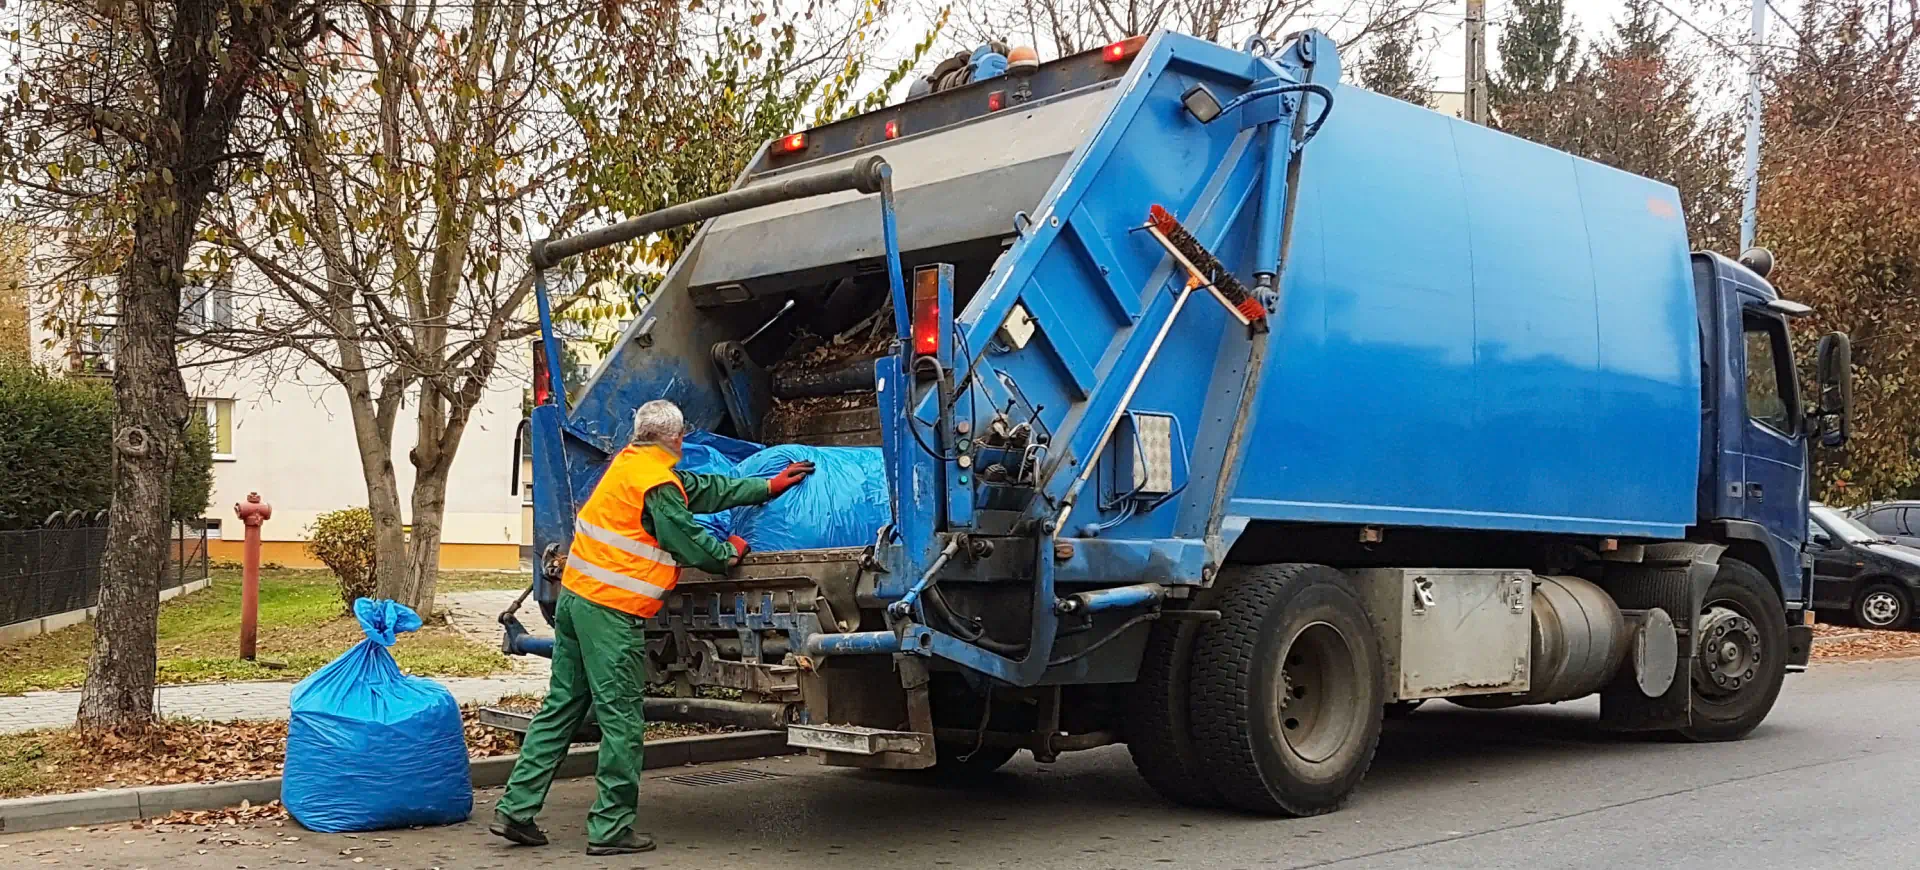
[(1843, 527)]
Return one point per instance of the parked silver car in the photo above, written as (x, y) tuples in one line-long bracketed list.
[(1898, 521)]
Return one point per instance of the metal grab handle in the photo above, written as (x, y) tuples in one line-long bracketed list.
[(866, 176)]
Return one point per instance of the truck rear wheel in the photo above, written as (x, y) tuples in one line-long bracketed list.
[(1287, 690), (1159, 734), (1741, 657)]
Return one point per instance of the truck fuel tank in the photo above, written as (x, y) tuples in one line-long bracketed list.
[(1505, 638)]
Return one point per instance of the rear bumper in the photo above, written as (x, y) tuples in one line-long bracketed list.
[(1799, 647)]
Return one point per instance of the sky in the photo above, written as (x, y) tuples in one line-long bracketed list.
[(1717, 29), (1727, 22)]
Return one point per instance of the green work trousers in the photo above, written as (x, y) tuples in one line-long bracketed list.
[(599, 664)]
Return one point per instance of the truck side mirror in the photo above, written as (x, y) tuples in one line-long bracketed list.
[(1835, 380)]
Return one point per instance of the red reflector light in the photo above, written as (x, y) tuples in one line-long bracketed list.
[(996, 101), (795, 142), (926, 312), (1123, 49), (542, 376), (893, 129)]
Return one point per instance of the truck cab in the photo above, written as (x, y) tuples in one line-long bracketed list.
[(1754, 479)]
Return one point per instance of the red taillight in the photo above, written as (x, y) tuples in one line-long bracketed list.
[(926, 312), (1123, 49), (996, 101), (893, 129), (542, 376), (793, 143)]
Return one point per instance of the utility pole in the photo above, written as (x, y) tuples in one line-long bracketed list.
[(1476, 83), (1750, 204)]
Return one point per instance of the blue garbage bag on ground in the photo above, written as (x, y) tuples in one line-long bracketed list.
[(370, 748), (842, 504), (703, 452)]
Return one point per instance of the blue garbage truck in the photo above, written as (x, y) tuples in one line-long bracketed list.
[(1223, 410)]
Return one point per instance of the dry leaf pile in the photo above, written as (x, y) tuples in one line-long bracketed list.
[(1846, 643), (172, 751)]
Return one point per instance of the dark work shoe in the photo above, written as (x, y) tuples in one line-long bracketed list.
[(522, 833), (630, 844)]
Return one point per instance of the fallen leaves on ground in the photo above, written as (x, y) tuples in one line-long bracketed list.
[(244, 814), (1846, 643), (171, 751), (59, 760)]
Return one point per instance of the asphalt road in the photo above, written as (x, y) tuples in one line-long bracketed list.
[(1831, 781)]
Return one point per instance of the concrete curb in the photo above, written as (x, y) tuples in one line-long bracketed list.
[(16, 632), (18, 815)]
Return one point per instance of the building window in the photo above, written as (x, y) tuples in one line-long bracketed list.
[(217, 416), (206, 307)]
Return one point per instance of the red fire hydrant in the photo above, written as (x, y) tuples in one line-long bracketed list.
[(253, 512)]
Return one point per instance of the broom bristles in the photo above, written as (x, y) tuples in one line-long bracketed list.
[(1215, 272)]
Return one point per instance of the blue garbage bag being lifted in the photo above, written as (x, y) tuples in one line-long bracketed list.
[(370, 748), (703, 452), (842, 504)]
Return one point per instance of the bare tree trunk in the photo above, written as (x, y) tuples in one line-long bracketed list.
[(389, 529), (429, 516), (373, 437), (150, 402)]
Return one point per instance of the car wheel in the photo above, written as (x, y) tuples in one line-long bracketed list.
[(1883, 606)]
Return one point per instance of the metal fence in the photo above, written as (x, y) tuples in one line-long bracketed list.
[(55, 568)]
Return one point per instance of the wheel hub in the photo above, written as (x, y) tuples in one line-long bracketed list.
[(1316, 685), (1880, 608), (1730, 651)]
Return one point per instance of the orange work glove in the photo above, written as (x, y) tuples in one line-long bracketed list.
[(789, 476), (739, 547)]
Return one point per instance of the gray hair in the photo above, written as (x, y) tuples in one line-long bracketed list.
[(658, 422)]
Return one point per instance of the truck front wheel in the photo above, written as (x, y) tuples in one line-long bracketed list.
[(1287, 689), (1741, 657)]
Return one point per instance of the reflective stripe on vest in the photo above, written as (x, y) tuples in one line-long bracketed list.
[(621, 542), (631, 584), (614, 562)]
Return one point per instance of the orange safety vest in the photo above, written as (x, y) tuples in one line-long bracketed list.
[(613, 561)]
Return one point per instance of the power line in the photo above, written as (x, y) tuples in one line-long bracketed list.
[(1715, 42)]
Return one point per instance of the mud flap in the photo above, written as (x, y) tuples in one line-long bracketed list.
[(1799, 647), (1674, 577)]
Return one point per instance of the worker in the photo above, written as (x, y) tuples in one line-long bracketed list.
[(630, 541)]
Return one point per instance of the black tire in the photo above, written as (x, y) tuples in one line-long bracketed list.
[(962, 764), (1719, 712), (1403, 709), (1288, 693), (1882, 607), (1159, 735)]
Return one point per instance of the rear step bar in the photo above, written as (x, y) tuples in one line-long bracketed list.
[(703, 711), (856, 740)]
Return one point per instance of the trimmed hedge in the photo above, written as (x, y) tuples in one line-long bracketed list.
[(56, 453)]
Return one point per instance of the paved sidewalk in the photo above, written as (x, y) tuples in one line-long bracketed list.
[(471, 613), (224, 701), (477, 615)]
